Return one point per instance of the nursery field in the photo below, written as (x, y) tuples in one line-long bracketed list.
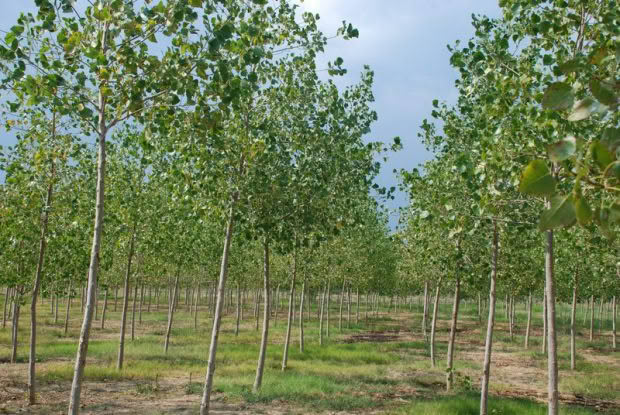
[(379, 364)]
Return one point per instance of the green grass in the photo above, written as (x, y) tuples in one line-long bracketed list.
[(469, 404), (338, 376)]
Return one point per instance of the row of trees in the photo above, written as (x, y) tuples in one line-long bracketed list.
[(531, 146), (215, 137)]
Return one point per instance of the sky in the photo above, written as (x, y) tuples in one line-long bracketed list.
[(403, 41)]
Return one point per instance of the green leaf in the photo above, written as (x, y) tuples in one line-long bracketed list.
[(536, 179), (601, 154), (569, 67), (563, 149), (561, 213), (559, 96), (583, 211), (603, 92), (582, 109), (195, 3)]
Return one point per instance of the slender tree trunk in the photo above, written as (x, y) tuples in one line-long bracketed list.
[(591, 317), (455, 315), (263, 344), (613, 322), (301, 320), (327, 305), (15, 327), (171, 311), (133, 311), (68, 309), (434, 322), (6, 301), (321, 316), (529, 321), (425, 313), (80, 360), (349, 306), (105, 306), (217, 317), (341, 300), (141, 303), (551, 333), (121, 343), (196, 299), (238, 309), (289, 324), (115, 297), (486, 371), (37, 282), (572, 325), (544, 333)]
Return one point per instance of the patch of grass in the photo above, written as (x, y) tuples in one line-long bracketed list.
[(469, 404)]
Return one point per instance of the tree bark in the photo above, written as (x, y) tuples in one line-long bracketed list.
[(15, 327), (301, 320), (544, 333), (425, 313), (434, 322), (591, 317), (455, 315), (486, 371), (171, 311), (613, 322), (217, 317), (133, 311), (68, 309), (37, 281), (263, 344), (289, 324), (321, 316), (121, 343), (327, 305), (529, 321), (572, 325), (238, 309), (552, 366), (105, 306), (80, 359)]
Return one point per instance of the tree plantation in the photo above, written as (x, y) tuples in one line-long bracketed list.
[(192, 220)]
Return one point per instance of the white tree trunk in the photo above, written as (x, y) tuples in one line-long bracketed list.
[(455, 315), (289, 325), (486, 370), (552, 366), (217, 318), (121, 342), (263, 344), (434, 322)]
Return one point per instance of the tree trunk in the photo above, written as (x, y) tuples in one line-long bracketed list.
[(68, 309), (455, 315), (80, 359), (327, 305), (37, 281), (572, 325), (591, 317), (15, 327), (529, 321), (6, 301), (121, 343), (289, 324), (301, 320), (341, 300), (105, 306), (171, 311), (141, 303), (133, 311), (613, 322), (321, 317), (434, 322), (263, 344), (552, 384), (486, 371), (217, 317), (238, 309), (425, 313), (544, 333)]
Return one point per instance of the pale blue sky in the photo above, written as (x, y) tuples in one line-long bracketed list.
[(404, 42)]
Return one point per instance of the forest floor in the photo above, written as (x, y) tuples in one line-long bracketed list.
[(379, 366)]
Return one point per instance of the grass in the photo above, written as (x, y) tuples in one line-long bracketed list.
[(469, 404), (393, 376)]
